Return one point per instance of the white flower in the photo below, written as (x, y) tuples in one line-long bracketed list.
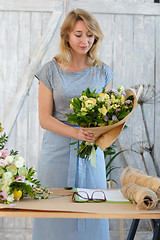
[(20, 179), (3, 162), (7, 175), (7, 182), (121, 88), (10, 198), (21, 159), (5, 189), (9, 159), (82, 98), (19, 162)]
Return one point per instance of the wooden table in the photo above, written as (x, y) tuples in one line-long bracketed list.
[(64, 207)]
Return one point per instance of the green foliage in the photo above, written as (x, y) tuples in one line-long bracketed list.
[(110, 151), (84, 150), (12, 152), (3, 140), (29, 177), (92, 109)]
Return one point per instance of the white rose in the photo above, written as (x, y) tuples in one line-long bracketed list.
[(21, 159), (10, 198), (9, 159), (7, 181), (5, 189), (7, 175), (19, 163)]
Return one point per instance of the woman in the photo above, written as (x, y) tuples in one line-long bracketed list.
[(66, 76)]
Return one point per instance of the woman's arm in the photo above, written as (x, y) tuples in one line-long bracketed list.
[(109, 86), (48, 122)]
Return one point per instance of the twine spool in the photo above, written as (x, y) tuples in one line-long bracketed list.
[(144, 197), (133, 175)]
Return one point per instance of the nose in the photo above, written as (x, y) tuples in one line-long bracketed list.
[(84, 39)]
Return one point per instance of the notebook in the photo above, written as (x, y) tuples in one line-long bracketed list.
[(99, 195)]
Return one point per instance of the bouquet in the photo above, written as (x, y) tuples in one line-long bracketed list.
[(16, 180), (100, 114)]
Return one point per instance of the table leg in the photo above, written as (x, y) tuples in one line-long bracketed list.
[(156, 234), (133, 229)]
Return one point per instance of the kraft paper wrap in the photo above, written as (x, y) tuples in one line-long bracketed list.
[(133, 175), (144, 197), (106, 135)]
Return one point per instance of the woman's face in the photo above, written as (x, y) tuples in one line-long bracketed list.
[(80, 38)]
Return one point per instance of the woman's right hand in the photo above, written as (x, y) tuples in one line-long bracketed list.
[(84, 135)]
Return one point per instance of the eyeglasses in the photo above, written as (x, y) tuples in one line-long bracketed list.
[(82, 196)]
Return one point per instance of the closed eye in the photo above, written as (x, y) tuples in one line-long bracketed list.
[(89, 35)]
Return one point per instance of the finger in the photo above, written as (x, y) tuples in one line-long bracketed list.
[(88, 133)]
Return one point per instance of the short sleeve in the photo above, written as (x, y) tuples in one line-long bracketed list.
[(108, 74), (45, 75)]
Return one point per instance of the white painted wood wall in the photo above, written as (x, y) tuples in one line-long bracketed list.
[(29, 35)]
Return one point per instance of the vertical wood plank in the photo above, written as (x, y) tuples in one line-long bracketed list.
[(157, 85), (107, 25), (117, 49), (23, 61), (2, 63), (149, 55)]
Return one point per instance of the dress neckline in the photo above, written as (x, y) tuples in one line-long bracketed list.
[(70, 72)]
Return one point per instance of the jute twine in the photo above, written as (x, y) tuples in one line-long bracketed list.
[(133, 175), (144, 197)]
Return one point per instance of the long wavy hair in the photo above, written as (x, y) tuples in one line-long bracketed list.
[(65, 53)]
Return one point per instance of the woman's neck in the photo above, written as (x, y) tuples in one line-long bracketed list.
[(77, 63)]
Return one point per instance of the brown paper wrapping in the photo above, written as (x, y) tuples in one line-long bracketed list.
[(144, 197), (106, 135), (133, 175)]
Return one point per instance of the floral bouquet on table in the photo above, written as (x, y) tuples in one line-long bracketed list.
[(16, 180), (103, 114)]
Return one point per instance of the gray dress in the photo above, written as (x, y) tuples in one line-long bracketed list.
[(58, 164)]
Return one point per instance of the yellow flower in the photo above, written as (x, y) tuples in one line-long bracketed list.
[(82, 98), (102, 94), (103, 110), (90, 103), (17, 194), (121, 88), (122, 99), (71, 106), (103, 97), (115, 106)]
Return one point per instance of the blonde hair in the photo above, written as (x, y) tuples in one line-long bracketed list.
[(65, 54)]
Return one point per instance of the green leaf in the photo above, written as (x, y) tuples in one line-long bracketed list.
[(73, 143)]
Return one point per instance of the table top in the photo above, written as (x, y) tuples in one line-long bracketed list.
[(60, 205)]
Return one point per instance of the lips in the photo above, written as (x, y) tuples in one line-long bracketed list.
[(84, 47)]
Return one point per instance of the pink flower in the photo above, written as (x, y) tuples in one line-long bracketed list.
[(3, 162), (3, 195), (4, 153), (20, 178)]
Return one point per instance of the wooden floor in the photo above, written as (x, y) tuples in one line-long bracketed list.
[(24, 234)]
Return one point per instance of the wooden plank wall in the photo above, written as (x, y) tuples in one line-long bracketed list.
[(29, 39), (29, 32)]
